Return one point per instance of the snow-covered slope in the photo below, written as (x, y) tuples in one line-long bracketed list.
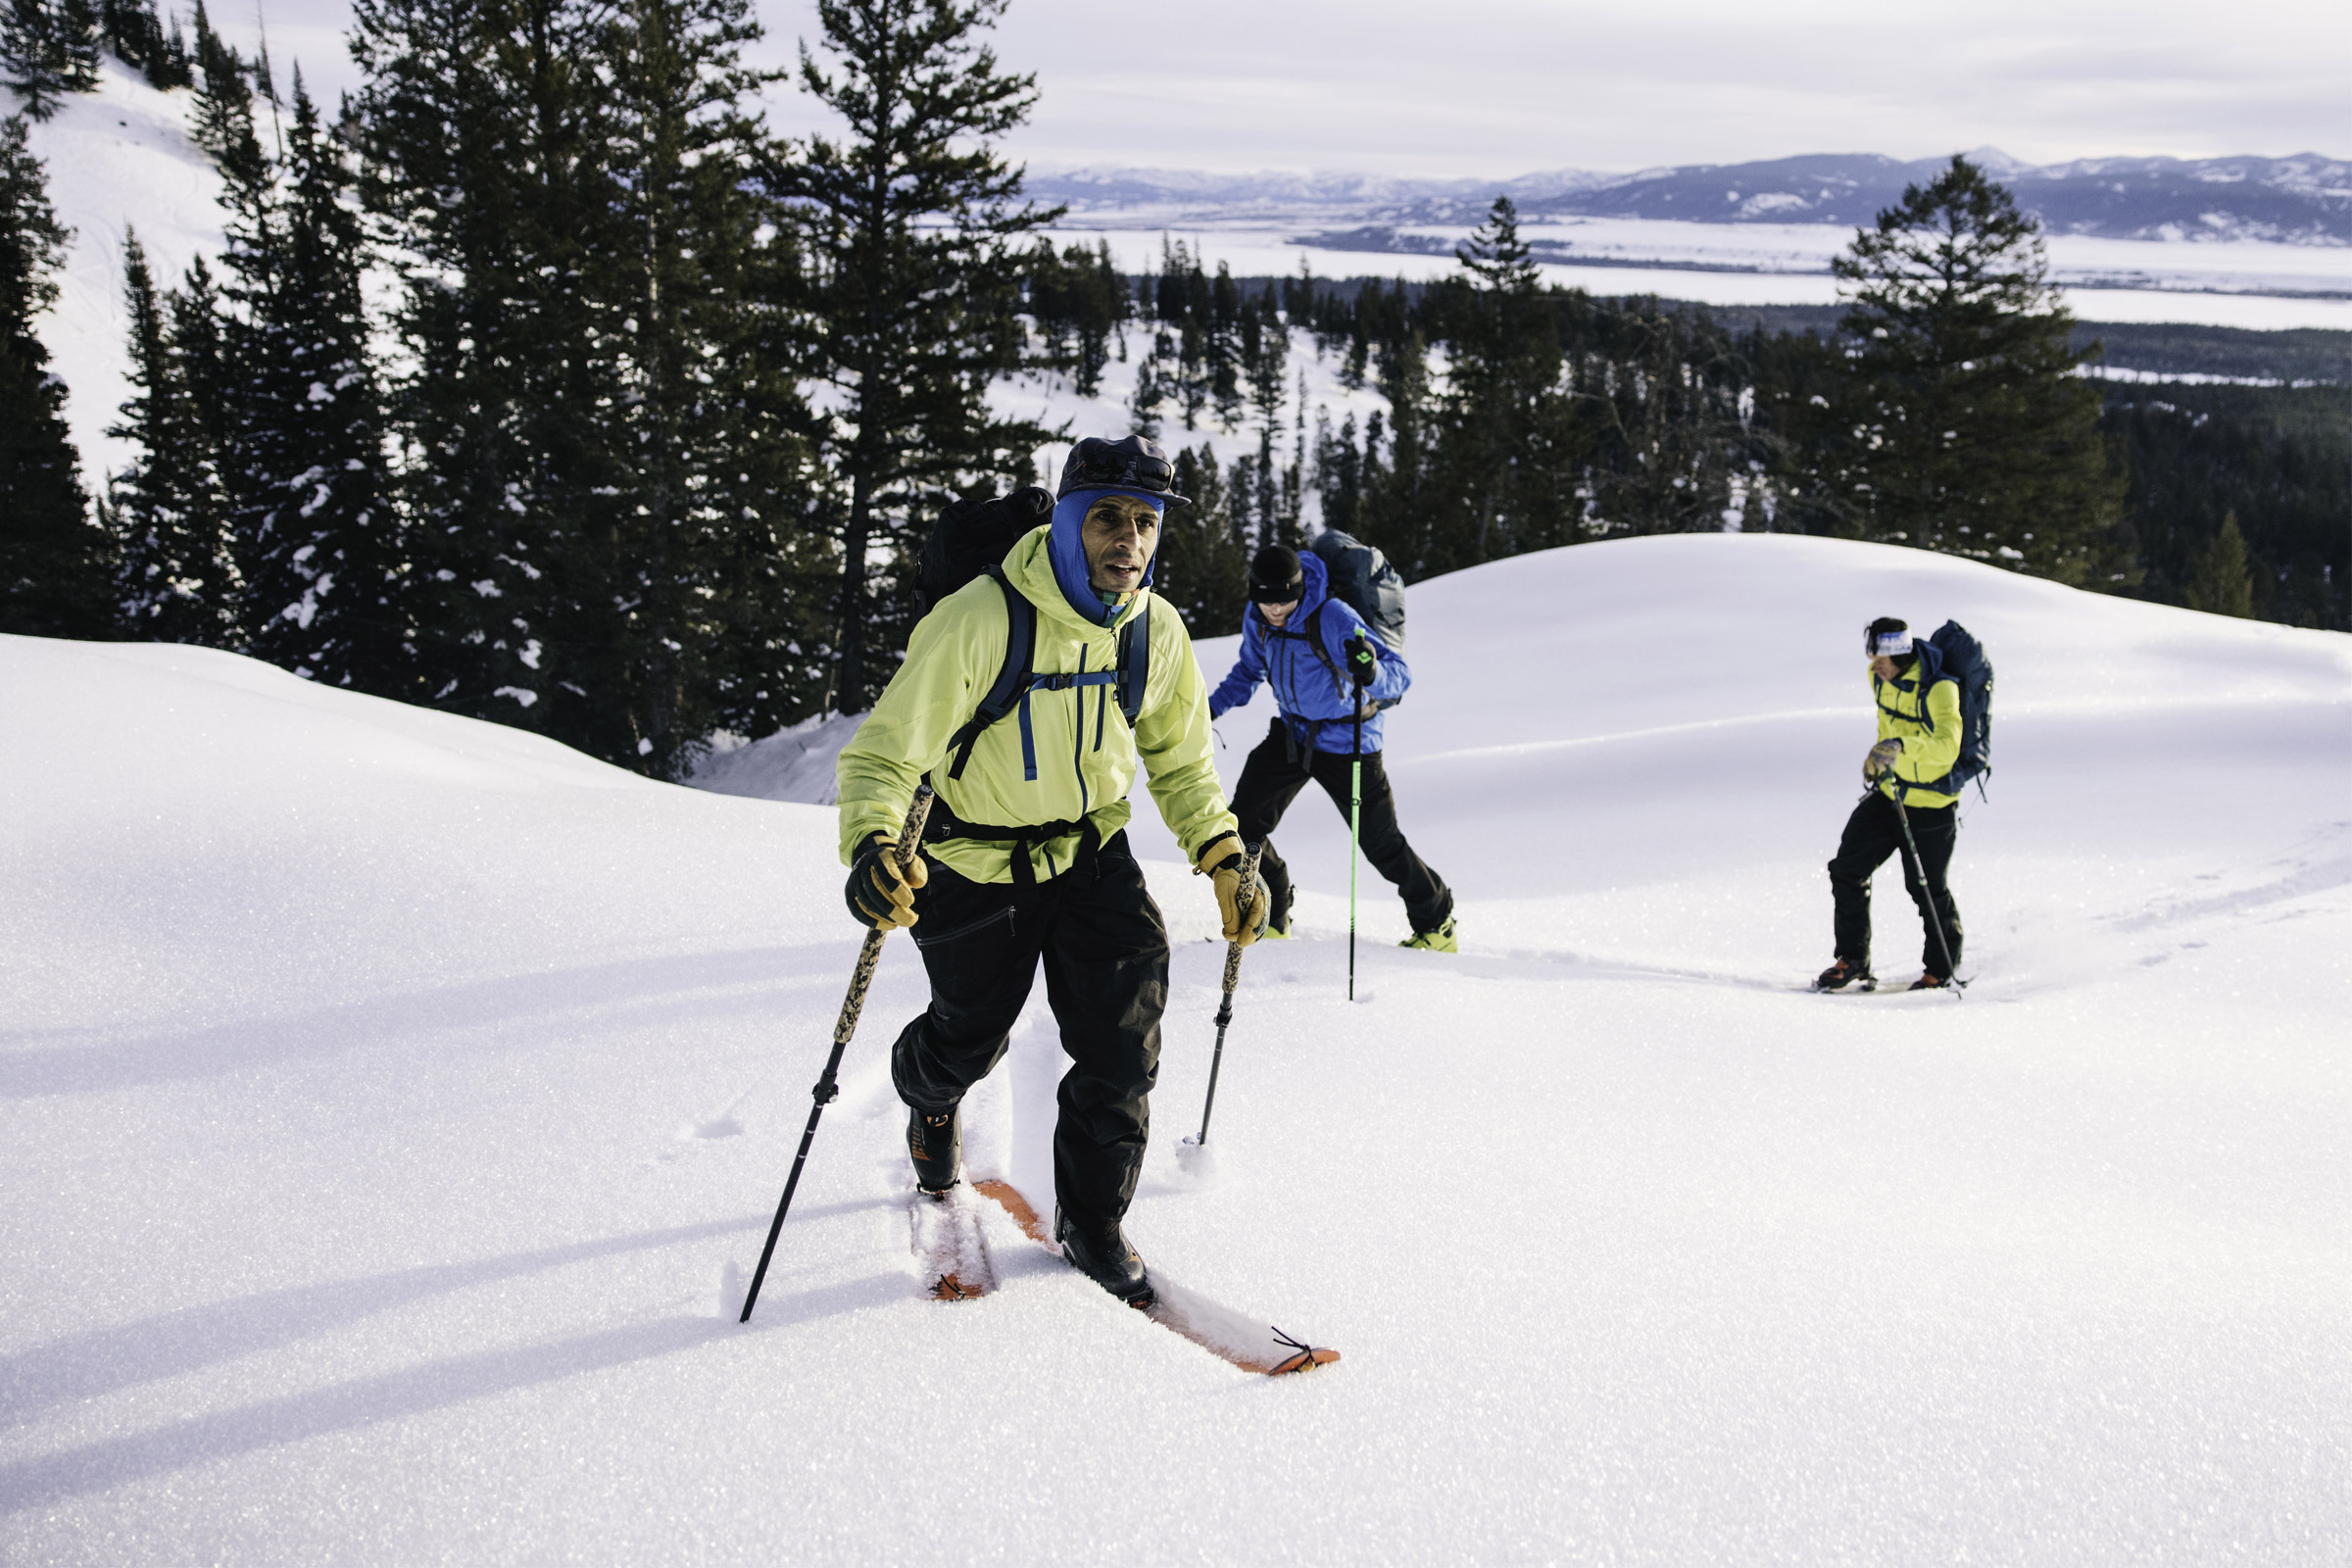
[(390, 1105), (117, 158)]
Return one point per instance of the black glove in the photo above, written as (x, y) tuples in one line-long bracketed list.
[(879, 897), (1363, 661)]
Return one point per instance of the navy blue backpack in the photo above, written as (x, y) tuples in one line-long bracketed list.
[(1953, 654)]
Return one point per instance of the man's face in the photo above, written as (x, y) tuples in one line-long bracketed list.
[(1275, 614), (1119, 534), (1883, 667)]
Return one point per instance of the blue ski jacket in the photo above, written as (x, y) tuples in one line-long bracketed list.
[(1312, 689)]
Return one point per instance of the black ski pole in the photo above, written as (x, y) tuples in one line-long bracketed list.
[(1919, 865), (910, 835), (1233, 977)]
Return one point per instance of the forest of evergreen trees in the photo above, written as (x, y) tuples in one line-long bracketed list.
[(541, 382)]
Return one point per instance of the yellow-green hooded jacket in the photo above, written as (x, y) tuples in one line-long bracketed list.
[(1086, 754), (1930, 748)]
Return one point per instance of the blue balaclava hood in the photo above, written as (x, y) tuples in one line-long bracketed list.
[(1132, 465), (1067, 550)]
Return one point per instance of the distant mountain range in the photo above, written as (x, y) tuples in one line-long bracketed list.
[(2304, 200)]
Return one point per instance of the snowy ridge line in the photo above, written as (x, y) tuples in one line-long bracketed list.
[(1539, 748), (2045, 708)]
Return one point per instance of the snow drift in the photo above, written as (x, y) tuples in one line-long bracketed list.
[(393, 1106)]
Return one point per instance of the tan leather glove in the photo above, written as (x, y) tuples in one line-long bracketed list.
[(1880, 759), (1244, 910), (877, 892)]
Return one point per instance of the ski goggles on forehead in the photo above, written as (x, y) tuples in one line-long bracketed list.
[(1101, 465), (1885, 644)]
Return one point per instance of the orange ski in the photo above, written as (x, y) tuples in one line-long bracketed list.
[(1228, 1334)]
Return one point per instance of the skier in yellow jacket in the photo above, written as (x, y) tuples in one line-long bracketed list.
[(1025, 856), (1918, 742)]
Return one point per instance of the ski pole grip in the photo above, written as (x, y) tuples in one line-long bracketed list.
[(1233, 951), (911, 832)]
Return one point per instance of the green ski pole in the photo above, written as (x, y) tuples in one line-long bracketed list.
[(1355, 822)]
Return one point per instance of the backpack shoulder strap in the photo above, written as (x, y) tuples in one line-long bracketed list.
[(1314, 640), (1012, 678), (1135, 662)]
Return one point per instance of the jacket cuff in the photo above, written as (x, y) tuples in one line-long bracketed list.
[(1200, 860)]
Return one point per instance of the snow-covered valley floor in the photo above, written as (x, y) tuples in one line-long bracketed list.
[(391, 1105)]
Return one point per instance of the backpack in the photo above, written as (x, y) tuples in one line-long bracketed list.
[(1361, 578), (1953, 654), (970, 539), (974, 535)]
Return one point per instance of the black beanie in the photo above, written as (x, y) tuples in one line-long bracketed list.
[(1275, 578)]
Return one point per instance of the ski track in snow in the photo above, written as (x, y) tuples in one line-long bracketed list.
[(392, 1107)]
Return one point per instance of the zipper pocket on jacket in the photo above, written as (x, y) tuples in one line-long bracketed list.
[(963, 930)]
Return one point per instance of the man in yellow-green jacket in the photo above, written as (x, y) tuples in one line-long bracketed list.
[(1918, 742), (1025, 855)]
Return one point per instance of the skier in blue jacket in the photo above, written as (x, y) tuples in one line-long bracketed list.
[(1331, 677)]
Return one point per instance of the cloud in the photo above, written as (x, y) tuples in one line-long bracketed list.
[(1500, 87)]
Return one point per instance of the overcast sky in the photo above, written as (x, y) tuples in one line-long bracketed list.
[(1492, 88)]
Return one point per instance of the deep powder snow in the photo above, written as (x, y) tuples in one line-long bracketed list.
[(391, 1106)]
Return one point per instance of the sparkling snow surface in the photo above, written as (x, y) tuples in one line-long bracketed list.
[(394, 1105)]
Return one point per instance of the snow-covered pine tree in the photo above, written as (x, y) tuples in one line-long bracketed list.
[(316, 538), (908, 221), (54, 571), (223, 119), (33, 52), (134, 30), (692, 625), (484, 126), (81, 41), (1966, 427), (165, 511)]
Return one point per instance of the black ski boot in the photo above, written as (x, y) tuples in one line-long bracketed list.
[(1845, 976), (936, 1145), (1930, 981), (1105, 1259)]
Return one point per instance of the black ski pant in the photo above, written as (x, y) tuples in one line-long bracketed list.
[(1272, 778), (1105, 952), (1871, 835)]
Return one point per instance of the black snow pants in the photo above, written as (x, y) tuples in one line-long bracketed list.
[(1105, 952), (1871, 835), (1272, 778)]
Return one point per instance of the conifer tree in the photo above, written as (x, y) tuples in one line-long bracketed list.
[(711, 554), (34, 53), (908, 221), (81, 41), (168, 518), (223, 121), (1506, 445), (54, 571), (1399, 508), (485, 134), (1200, 567), (1965, 427), (316, 541), (2222, 585)]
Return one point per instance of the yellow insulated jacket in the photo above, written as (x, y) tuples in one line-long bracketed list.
[(1086, 754), (1929, 727)]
